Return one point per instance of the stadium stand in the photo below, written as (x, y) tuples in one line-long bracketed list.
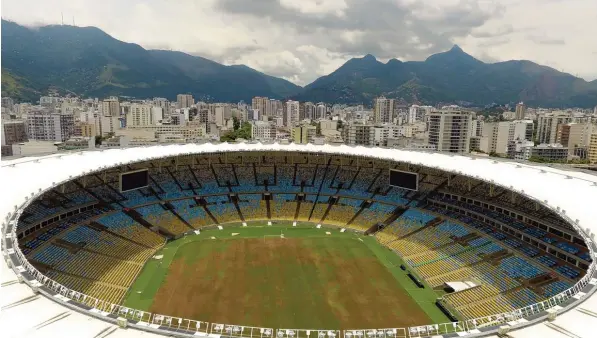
[(443, 237)]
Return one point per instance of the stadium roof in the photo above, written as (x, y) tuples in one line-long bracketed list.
[(27, 314)]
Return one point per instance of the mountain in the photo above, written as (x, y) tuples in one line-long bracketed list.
[(87, 61), (451, 76)]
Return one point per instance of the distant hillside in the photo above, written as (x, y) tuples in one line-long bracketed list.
[(451, 76), (87, 61)]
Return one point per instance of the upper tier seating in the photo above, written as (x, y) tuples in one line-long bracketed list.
[(545, 259), (517, 267)]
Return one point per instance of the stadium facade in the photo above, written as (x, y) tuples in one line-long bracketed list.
[(553, 204)]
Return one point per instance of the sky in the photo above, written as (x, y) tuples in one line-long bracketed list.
[(300, 40)]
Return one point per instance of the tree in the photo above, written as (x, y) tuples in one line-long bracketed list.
[(244, 131), (235, 123), (339, 125), (228, 137)]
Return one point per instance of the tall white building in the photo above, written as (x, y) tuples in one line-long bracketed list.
[(575, 136), (521, 129), (184, 100), (292, 113), (310, 109), (139, 115), (157, 114), (592, 149), (320, 111), (111, 107), (547, 125), (520, 111), (273, 107), (449, 130), (383, 110), (497, 135), (108, 124), (260, 103), (48, 126), (417, 113), (160, 102)]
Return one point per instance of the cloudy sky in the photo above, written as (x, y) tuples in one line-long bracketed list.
[(302, 39)]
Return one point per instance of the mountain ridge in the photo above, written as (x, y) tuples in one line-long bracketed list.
[(90, 62), (452, 76)]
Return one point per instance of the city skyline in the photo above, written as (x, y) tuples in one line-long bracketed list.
[(302, 41), (561, 135)]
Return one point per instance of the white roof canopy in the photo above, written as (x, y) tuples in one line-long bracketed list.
[(573, 194)]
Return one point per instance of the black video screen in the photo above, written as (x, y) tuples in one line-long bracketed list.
[(404, 180), (134, 180)]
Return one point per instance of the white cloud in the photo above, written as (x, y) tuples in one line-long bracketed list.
[(303, 39)]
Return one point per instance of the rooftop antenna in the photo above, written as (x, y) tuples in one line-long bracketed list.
[(73, 20), (62, 16)]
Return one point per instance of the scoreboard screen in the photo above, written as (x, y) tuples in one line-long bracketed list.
[(404, 179), (134, 180)]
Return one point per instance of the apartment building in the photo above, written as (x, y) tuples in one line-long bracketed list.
[(274, 107), (520, 149), (139, 115), (189, 132), (592, 151), (320, 111), (14, 131), (550, 152), (383, 110), (497, 135), (520, 111), (303, 134), (547, 125), (110, 107), (310, 111), (417, 113), (575, 136), (259, 103), (48, 126), (109, 124), (184, 101), (291, 116), (449, 130), (84, 129), (261, 130), (358, 134)]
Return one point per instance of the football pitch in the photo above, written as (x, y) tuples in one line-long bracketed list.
[(283, 277)]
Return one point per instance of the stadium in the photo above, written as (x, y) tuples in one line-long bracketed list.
[(272, 240)]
